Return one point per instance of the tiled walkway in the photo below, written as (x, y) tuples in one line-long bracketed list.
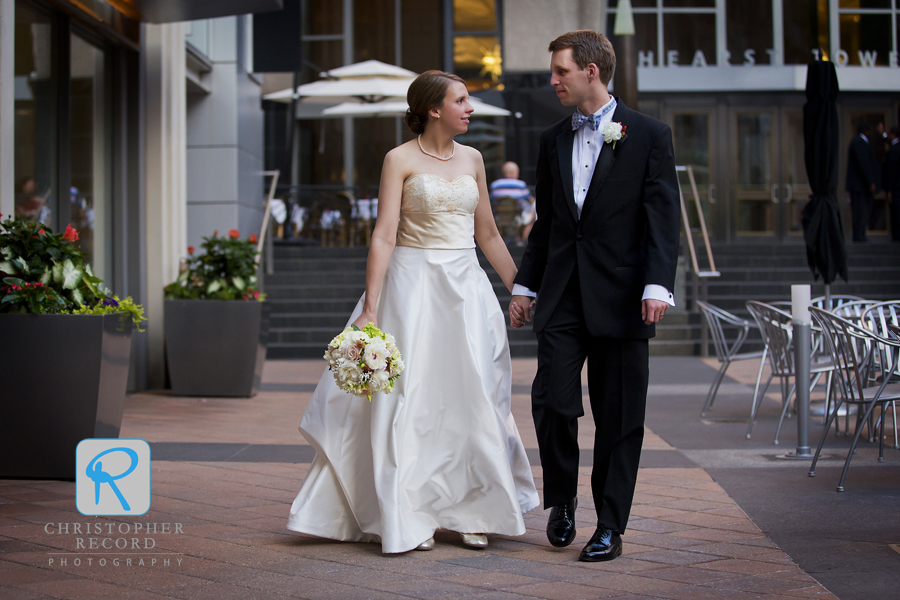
[(686, 539)]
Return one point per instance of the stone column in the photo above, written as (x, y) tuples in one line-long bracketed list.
[(7, 107), (166, 188)]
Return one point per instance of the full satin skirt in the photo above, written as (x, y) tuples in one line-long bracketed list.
[(442, 451)]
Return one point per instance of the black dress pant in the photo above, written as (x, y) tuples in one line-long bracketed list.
[(861, 207), (618, 372)]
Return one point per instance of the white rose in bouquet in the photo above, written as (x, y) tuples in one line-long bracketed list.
[(376, 355), (349, 372)]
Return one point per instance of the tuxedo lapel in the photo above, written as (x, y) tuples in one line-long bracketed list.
[(564, 143)]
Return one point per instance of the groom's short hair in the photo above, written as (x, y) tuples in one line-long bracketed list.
[(589, 47)]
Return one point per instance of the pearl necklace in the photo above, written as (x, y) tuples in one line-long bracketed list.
[(424, 151)]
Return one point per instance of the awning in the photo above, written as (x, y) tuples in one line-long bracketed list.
[(171, 11)]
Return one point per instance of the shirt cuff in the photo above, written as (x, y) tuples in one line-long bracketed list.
[(521, 290), (653, 291)]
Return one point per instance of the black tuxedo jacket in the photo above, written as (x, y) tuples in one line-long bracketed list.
[(892, 173), (862, 166), (627, 235)]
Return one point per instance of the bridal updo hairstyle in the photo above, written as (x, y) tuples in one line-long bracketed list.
[(427, 91), (589, 47)]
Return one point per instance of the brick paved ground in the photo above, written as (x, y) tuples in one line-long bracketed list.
[(687, 539)]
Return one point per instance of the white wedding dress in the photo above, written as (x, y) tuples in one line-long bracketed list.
[(442, 451)]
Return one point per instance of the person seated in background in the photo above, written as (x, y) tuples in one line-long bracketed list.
[(510, 186)]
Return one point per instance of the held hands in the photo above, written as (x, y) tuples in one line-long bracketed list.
[(520, 308), (652, 311)]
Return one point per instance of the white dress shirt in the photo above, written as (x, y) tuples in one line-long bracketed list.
[(585, 153)]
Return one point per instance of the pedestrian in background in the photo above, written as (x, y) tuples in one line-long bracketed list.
[(863, 179), (892, 180)]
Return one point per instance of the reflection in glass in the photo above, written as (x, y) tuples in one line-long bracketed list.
[(754, 209), (90, 191), (373, 31), (690, 134), (474, 15), (689, 35), (322, 18), (690, 3), (866, 38), (864, 4), (797, 190), (197, 35), (35, 118), (324, 54), (645, 35), (749, 26), (478, 60), (805, 29), (422, 28)]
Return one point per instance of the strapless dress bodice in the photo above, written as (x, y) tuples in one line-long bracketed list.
[(436, 213)]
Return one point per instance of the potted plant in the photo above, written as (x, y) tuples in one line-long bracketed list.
[(65, 353), (216, 321)]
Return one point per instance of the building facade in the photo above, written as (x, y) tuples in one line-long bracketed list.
[(144, 137), (729, 77)]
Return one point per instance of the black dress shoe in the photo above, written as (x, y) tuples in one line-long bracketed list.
[(605, 544), (561, 525)]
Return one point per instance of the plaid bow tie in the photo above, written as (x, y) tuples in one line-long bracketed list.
[(579, 119)]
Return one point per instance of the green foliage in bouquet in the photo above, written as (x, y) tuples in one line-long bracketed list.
[(44, 273), (225, 271)]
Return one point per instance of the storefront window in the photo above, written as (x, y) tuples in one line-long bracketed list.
[(476, 44), (689, 39), (805, 30), (749, 27), (35, 118), (690, 134), (89, 194), (866, 39), (688, 28), (477, 60), (474, 15)]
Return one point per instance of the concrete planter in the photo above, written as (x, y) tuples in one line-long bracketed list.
[(63, 380), (216, 347)]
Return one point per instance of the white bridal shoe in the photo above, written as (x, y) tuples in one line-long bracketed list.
[(475, 540), (426, 545)]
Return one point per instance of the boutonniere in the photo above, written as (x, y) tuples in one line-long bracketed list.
[(614, 133)]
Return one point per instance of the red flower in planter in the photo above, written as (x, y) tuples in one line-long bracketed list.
[(216, 233), (71, 235), (234, 234), (252, 238), (191, 250), (41, 231)]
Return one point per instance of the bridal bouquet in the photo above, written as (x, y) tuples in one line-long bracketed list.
[(364, 361)]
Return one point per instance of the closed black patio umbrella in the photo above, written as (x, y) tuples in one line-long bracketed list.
[(822, 229)]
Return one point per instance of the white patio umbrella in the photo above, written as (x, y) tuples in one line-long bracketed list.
[(369, 81), (393, 107)]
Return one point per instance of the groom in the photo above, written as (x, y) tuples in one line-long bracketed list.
[(601, 261)]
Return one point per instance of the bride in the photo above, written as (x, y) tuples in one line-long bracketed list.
[(443, 450)]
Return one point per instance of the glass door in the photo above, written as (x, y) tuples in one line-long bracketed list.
[(692, 140), (90, 192), (755, 182), (793, 171), (770, 186)]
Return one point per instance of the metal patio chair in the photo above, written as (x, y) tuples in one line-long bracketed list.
[(852, 349), (776, 328), (851, 310), (717, 320), (877, 319)]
